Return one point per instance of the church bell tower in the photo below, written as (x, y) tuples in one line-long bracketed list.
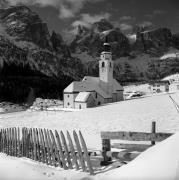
[(106, 68)]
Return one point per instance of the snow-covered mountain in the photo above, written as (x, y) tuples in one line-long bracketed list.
[(28, 53), (137, 56)]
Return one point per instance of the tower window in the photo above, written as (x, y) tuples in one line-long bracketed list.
[(110, 64), (103, 64), (96, 95)]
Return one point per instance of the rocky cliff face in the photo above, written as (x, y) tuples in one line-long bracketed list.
[(91, 40), (154, 41), (24, 25), (28, 54), (133, 54)]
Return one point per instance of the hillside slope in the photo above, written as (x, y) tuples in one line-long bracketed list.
[(31, 58)]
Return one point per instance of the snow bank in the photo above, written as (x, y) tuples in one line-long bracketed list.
[(170, 55), (161, 162), (12, 168)]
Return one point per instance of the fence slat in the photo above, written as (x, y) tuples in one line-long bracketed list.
[(35, 145), (5, 140), (67, 153), (44, 146), (59, 145), (23, 142), (19, 142), (15, 141), (86, 154), (31, 144), (38, 145), (79, 150), (72, 149), (41, 146), (8, 141), (51, 148), (48, 148), (54, 145)]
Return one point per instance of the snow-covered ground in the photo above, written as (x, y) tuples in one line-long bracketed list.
[(130, 115), (159, 162), (133, 115), (12, 168)]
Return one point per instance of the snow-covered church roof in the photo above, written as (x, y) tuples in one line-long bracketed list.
[(89, 84), (82, 97)]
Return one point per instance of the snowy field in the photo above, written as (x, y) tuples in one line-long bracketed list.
[(130, 115)]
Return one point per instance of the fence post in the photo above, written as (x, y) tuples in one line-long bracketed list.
[(106, 146), (153, 131)]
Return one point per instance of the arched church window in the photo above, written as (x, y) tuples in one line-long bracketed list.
[(110, 64), (103, 64)]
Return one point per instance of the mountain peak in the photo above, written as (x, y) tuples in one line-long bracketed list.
[(22, 24), (102, 25)]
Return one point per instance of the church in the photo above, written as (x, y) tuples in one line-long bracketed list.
[(95, 91)]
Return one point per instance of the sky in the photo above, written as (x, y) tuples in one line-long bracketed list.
[(64, 15)]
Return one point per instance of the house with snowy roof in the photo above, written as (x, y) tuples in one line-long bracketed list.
[(94, 91)]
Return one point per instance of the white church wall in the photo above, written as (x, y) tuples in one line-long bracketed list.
[(69, 99), (80, 105), (89, 103)]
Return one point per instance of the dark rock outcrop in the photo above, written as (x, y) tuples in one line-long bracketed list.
[(92, 41), (154, 41), (30, 58), (102, 25)]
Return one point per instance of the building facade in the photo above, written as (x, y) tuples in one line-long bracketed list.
[(95, 91), (159, 86)]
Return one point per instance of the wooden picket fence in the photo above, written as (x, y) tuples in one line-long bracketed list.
[(46, 146)]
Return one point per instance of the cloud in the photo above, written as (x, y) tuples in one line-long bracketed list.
[(125, 27), (87, 20), (67, 8), (126, 18), (146, 24), (158, 12)]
